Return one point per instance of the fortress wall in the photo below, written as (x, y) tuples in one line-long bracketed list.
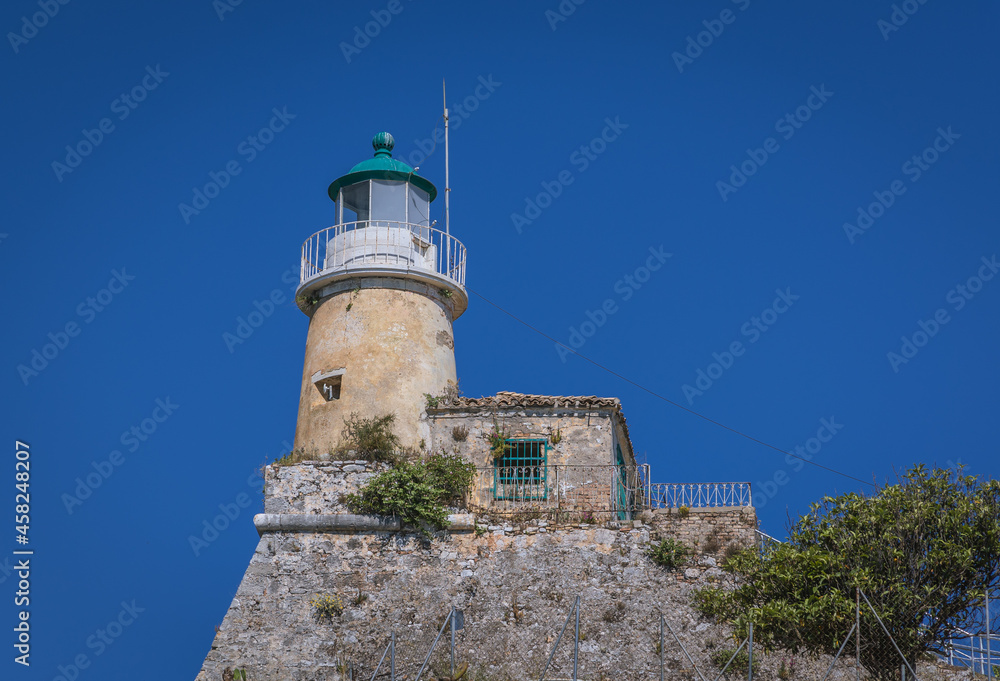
[(514, 582)]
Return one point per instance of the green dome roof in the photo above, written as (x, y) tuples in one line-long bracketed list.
[(382, 167)]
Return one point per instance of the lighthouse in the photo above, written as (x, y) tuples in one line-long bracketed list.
[(382, 288)]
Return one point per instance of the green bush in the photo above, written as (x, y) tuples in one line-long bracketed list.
[(738, 666), (668, 553), (372, 439), (416, 493), (452, 474)]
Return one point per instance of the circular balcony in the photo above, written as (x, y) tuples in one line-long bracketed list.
[(384, 248)]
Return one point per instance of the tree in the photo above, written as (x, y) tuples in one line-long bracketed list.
[(925, 551)]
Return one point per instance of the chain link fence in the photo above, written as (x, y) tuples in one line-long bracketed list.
[(608, 642)]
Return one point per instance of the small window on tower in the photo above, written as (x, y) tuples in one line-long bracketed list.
[(328, 383), (521, 473)]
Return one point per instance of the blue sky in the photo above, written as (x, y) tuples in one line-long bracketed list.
[(828, 170)]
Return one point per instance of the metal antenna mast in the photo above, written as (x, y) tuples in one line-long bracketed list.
[(447, 185)]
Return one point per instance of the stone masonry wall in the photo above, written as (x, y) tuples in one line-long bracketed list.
[(515, 582), (315, 486), (585, 436)]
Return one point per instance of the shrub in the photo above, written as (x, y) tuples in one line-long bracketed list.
[(372, 439), (668, 553), (293, 457), (404, 492), (416, 493), (683, 512), (452, 474), (738, 666), (459, 433), (710, 602), (556, 437), (326, 607)]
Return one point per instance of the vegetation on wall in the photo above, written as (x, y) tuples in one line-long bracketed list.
[(925, 551), (497, 439), (451, 393), (668, 553), (417, 493), (326, 607), (371, 439)]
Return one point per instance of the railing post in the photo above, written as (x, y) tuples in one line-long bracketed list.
[(750, 653), (452, 641), (989, 639), (558, 495)]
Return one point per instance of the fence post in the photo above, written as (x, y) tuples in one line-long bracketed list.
[(392, 657), (750, 653), (452, 641), (857, 635), (661, 646), (576, 643)]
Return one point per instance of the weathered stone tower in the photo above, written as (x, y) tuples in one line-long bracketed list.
[(557, 513), (382, 287)]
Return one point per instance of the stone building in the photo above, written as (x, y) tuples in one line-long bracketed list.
[(559, 507)]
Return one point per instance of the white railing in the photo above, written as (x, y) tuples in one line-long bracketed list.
[(383, 243), (697, 495), (581, 492), (765, 542), (981, 655)]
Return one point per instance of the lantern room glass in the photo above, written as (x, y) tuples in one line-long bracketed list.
[(388, 201), (383, 201), (418, 205), (354, 203)]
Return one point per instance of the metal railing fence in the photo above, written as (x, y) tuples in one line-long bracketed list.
[(579, 491), (383, 243), (698, 495)]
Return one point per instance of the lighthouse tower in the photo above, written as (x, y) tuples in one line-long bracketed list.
[(381, 288)]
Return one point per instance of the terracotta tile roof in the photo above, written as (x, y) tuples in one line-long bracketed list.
[(512, 400), (507, 399)]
